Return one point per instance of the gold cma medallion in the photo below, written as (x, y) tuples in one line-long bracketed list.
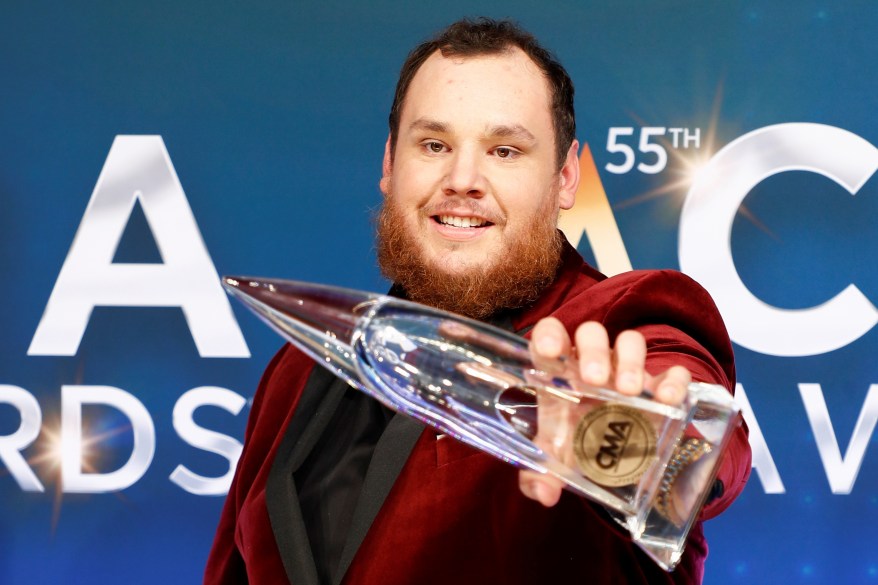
[(614, 445)]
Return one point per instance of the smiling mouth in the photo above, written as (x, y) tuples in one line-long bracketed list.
[(461, 222)]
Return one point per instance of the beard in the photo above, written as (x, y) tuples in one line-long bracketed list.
[(512, 278)]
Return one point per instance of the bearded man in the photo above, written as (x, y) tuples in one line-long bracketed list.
[(334, 488)]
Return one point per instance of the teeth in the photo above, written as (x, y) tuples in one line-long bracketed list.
[(462, 222)]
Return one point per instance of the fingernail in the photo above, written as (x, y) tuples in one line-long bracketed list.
[(668, 393), (595, 372), (627, 381), (549, 345)]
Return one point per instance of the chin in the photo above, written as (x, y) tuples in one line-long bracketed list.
[(458, 261)]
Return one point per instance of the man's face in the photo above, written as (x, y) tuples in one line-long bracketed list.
[(474, 177)]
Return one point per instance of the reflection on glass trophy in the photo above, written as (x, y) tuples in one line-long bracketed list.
[(649, 464)]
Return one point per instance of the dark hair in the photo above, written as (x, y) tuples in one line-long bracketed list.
[(485, 36)]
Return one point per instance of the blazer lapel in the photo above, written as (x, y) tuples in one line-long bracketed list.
[(320, 397), (388, 459), (391, 453)]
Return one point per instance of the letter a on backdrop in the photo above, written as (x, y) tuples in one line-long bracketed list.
[(593, 216), (138, 169)]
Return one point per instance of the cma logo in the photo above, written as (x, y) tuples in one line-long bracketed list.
[(705, 234), (138, 169), (614, 444)]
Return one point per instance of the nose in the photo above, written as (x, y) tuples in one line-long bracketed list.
[(464, 175)]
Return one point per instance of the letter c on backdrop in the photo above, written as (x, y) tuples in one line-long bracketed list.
[(705, 251)]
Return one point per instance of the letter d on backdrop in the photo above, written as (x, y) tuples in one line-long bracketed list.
[(73, 453), (138, 168)]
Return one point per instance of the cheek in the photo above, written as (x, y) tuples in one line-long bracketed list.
[(529, 203), (411, 187)]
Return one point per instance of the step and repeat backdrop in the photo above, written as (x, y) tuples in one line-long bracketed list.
[(148, 147)]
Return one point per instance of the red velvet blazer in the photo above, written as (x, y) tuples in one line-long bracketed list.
[(433, 510)]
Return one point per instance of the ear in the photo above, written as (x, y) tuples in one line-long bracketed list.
[(386, 169), (569, 177)]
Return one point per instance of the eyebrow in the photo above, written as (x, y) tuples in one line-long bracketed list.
[(429, 124), (514, 131), (499, 131)]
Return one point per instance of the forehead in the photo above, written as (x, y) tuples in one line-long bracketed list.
[(503, 88)]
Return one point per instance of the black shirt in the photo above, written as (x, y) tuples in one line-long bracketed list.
[(330, 480)]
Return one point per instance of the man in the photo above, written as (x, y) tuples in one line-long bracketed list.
[(334, 488)]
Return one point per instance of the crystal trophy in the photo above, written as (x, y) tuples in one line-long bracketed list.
[(651, 465)]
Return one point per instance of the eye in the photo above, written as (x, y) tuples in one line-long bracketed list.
[(505, 152), (434, 147)]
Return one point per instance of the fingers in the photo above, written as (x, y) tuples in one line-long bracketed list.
[(549, 339), (630, 354), (670, 386), (593, 348), (621, 367), (545, 489)]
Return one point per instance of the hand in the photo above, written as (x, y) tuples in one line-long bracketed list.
[(621, 368)]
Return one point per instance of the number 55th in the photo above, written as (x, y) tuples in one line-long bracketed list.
[(652, 147)]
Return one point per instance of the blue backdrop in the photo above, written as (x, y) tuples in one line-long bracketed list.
[(273, 116)]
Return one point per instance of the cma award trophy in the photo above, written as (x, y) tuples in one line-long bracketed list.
[(651, 465)]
